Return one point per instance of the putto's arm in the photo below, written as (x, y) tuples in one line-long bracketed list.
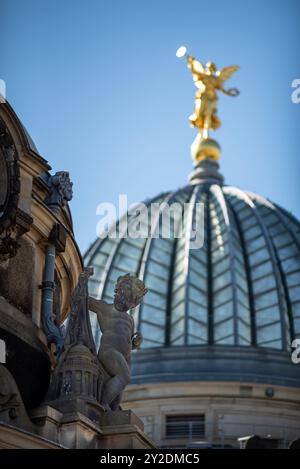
[(97, 306)]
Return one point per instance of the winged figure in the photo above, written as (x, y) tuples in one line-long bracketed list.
[(209, 80)]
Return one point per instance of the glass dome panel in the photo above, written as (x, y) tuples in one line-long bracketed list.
[(242, 287)]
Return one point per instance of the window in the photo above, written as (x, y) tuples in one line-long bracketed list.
[(125, 262), (224, 332), (197, 332), (154, 315), (152, 331), (185, 426), (177, 332)]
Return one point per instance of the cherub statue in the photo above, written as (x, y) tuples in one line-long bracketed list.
[(118, 335), (208, 80)]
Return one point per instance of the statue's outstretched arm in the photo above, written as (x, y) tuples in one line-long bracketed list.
[(97, 306)]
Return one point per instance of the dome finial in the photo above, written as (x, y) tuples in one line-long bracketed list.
[(208, 80)]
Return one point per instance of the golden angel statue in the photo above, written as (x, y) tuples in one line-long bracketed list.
[(209, 80)]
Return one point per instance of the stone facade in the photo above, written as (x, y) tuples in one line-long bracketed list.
[(231, 410), (50, 388)]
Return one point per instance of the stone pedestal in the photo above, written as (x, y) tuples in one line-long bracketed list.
[(123, 430), (16, 438), (72, 429)]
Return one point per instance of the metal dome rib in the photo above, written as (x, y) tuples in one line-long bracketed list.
[(250, 243)]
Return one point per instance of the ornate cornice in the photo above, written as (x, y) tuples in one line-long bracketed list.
[(13, 220)]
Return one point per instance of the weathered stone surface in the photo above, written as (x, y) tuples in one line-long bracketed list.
[(73, 429), (123, 430), (29, 366), (17, 278), (16, 438), (72, 415), (77, 383), (79, 378), (12, 410), (121, 417)]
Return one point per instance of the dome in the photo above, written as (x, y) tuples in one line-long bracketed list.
[(238, 293), (222, 307), (240, 288)]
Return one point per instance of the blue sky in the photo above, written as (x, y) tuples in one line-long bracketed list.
[(99, 88)]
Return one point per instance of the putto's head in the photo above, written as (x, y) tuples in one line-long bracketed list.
[(129, 292), (211, 67)]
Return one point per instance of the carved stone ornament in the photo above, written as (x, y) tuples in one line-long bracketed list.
[(77, 381), (61, 190), (13, 221), (12, 409), (8, 244)]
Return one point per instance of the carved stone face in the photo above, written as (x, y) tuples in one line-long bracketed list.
[(123, 300), (129, 292), (66, 186)]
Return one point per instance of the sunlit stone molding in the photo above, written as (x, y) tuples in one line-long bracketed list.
[(26, 228)]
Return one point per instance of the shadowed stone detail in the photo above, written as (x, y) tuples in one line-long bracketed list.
[(78, 379), (13, 221), (12, 409), (61, 191)]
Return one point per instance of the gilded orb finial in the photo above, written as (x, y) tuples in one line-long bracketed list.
[(208, 80)]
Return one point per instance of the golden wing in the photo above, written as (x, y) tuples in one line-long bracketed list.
[(227, 72)]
